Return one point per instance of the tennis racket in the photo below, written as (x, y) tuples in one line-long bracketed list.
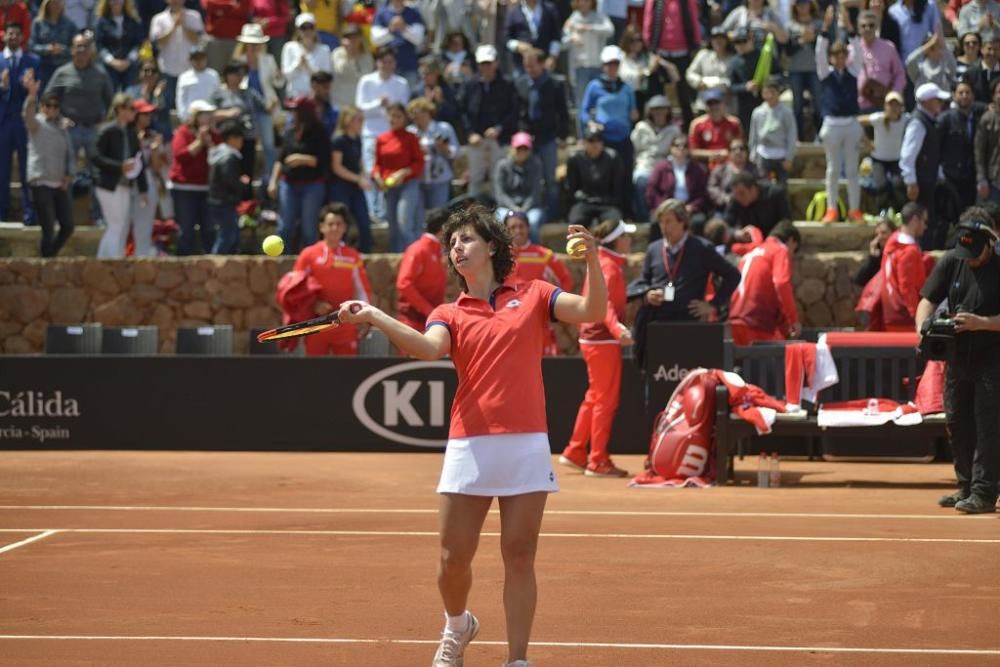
[(306, 327)]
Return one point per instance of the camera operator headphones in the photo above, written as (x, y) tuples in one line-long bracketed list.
[(978, 227)]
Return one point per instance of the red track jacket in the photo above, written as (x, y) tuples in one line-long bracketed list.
[(421, 280), (535, 262), (341, 274), (610, 328), (903, 275), (764, 300)]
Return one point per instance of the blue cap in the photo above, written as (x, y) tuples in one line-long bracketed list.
[(712, 95)]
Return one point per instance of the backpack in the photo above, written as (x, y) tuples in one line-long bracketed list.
[(817, 207), (682, 444)]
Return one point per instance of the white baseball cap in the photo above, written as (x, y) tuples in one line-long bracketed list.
[(930, 91), (486, 53), (199, 106), (612, 53), (304, 18)]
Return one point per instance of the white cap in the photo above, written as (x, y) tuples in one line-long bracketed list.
[(930, 91), (199, 106), (622, 228), (612, 53), (486, 53), (304, 18)]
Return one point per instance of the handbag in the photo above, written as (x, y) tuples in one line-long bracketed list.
[(874, 90)]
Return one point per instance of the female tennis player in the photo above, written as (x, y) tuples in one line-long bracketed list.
[(498, 442)]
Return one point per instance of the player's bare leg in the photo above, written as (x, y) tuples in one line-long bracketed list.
[(520, 523), (461, 521)]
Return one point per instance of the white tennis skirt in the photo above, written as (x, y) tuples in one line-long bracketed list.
[(506, 464)]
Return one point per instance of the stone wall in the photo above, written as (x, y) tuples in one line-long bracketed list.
[(185, 292)]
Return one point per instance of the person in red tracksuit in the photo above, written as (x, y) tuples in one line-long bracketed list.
[(536, 262), (339, 269), (903, 270), (763, 306), (421, 279), (600, 345)]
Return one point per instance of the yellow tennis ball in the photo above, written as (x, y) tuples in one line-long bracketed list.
[(390, 181), (576, 247), (273, 245)]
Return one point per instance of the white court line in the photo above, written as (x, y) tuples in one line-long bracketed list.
[(590, 645), (418, 533), (34, 538), (361, 510)]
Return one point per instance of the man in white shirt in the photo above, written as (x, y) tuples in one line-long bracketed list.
[(174, 31), (197, 83), (376, 91)]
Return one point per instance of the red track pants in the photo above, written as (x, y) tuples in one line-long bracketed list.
[(597, 412), (340, 341)]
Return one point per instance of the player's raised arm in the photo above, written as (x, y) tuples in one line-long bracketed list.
[(590, 307), (431, 345)]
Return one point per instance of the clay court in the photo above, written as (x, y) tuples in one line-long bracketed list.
[(185, 558)]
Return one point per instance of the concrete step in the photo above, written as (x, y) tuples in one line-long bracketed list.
[(16, 240)]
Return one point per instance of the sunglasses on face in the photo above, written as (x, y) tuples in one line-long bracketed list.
[(306, 26), (971, 42), (867, 26)]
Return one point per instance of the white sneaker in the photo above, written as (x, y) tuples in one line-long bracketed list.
[(451, 650), (517, 663)]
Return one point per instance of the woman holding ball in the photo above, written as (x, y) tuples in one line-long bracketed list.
[(498, 441)]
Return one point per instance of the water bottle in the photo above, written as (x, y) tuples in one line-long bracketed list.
[(762, 471), (774, 478)]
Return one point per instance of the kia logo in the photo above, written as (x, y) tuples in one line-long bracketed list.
[(409, 402)]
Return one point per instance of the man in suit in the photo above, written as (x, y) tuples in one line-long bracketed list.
[(14, 62)]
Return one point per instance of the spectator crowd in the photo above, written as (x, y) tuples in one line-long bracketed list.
[(585, 111)]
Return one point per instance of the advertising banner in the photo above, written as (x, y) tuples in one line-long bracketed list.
[(263, 403), (673, 349)]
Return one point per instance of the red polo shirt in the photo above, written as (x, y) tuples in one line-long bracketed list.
[(421, 280), (225, 18), (535, 262), (395, 150), (496, 347)]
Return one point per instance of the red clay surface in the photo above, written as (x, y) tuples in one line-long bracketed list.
[(186, 558)]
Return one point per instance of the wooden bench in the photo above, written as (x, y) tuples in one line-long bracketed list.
[(884, 372)]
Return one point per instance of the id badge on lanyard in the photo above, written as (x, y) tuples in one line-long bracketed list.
[(669, 291)]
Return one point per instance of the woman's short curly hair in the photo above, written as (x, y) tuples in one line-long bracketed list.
[(485, 224)]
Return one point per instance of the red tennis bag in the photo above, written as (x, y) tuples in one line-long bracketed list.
[(680, 451)]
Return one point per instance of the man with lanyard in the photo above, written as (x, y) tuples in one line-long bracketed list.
[(674, 275), (969, 278)]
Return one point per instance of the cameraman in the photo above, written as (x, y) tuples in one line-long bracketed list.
[(969, 278)]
